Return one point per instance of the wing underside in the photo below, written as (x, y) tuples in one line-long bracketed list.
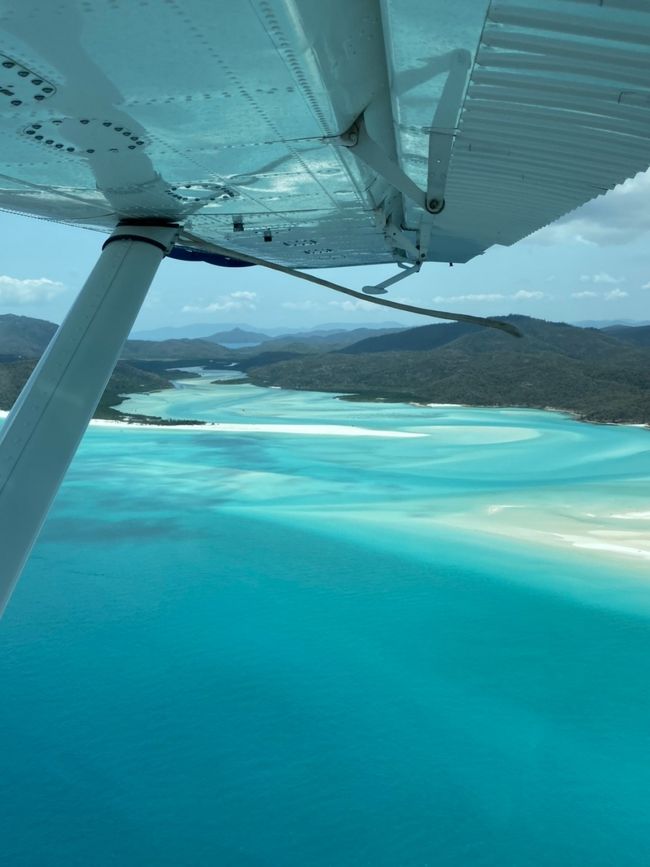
[(232, 122)]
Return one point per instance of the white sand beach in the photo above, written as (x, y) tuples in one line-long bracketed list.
[(550, 524)]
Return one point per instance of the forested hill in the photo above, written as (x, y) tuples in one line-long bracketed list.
[(25, 337), (601, 375), (125, 379), (637, 335), (582, 370), (22, 336)]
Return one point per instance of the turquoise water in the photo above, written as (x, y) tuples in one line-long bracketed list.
[(242, 647)]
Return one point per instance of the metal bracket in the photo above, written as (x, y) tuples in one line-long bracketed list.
[(382, 288), (366, 149), (442, 134), (401, 241)]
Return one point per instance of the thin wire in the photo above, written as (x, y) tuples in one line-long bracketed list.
[(319, 281)]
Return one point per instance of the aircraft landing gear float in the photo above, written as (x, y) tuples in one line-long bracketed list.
[(39, 438)]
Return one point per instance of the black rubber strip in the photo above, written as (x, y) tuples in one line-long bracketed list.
[(130, 237)]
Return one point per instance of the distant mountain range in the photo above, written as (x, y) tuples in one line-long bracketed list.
[(605, 323), (601, 375), (211, 330), (238, 336), (24, 337)]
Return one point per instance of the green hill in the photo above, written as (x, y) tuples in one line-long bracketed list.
[(638, 335), (24, 337), (124, 380), (584, 371)]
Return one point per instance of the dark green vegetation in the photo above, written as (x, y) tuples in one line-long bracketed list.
[(600, 375), (585, 371), (23, 340), (24, 337), (125, 380), (637, 336)]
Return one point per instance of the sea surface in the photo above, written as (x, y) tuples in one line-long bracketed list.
[(332, 633)]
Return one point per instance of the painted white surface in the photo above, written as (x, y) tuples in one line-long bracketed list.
[(205, 112), (43, 430)]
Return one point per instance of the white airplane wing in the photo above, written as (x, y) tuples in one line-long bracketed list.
[(237, 119)]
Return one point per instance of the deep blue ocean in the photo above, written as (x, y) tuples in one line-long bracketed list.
[(333, 644)]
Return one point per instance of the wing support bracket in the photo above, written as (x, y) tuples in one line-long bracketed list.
[(442, 133), (382, 288), (368, 151)]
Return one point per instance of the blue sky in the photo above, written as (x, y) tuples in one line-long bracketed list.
[(592, 264)]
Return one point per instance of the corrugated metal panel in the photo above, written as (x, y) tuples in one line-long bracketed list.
[(559, 99)]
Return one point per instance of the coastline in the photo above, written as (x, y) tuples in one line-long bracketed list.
[(137, 420), (230, 427)]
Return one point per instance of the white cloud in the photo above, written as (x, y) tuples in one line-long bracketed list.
[(233, 301), (479, 297), (603, 277), (349, 305), (521, 295), (300, 305), (585, 294), (646, 285), (620, 216), (614, 294), (16, 291)]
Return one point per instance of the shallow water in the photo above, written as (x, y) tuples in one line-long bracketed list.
[(265, 648)]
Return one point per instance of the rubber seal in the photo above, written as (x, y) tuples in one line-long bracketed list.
[(126, 236)]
